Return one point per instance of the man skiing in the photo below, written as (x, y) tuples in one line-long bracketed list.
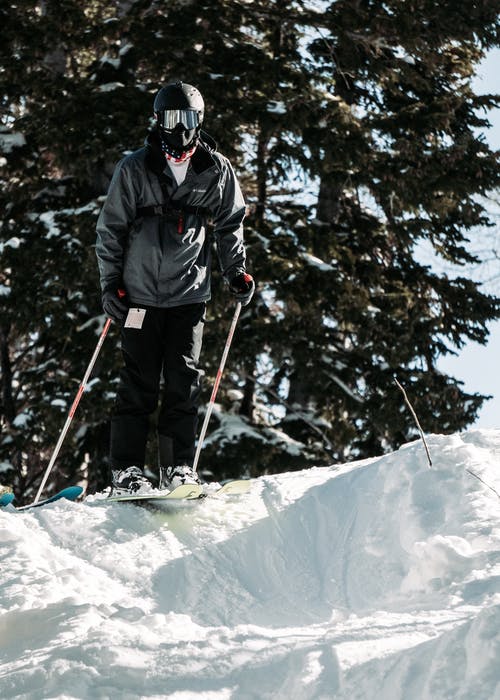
[(154, 263)]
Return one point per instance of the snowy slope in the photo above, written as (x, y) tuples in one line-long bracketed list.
[(378, 579)]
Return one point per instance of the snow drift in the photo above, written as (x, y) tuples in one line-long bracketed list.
[(379, 578)]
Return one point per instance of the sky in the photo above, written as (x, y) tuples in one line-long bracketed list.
[(477, 365)]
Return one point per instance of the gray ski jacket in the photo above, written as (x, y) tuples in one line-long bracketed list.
[(151, 234)]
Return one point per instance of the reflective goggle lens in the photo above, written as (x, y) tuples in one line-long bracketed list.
[(187, 117)]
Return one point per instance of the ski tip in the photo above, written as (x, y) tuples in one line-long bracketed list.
[(235, 487), (6, 499), (71, 493)]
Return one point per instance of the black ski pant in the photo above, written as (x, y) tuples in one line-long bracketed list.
[(168, 345)]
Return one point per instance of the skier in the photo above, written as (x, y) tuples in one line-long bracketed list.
[(154, 263)]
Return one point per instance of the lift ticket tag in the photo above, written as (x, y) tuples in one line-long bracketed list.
[(135, 318)]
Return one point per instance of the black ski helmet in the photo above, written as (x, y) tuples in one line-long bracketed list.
[(179, 110)]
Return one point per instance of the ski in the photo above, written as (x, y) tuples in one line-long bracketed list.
[(6, 498), (232, 487), (185, 492), (71, 493)]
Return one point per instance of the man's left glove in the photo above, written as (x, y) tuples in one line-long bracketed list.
[(114, 303), (242, 286)]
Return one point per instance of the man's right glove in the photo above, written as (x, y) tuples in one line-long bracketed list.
[(242, 285), (114, 303)]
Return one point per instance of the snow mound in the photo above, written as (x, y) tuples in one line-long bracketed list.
[(379, 578)]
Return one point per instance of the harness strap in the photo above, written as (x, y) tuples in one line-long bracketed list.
[(168, 212)]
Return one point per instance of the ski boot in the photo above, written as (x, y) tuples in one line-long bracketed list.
[(129, 482), (172, 477)]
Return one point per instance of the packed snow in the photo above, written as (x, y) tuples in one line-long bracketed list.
[(374, 579)]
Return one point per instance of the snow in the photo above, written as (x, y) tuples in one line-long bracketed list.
[(14, 243), (109, 87), (59, 403), (22, 420), (373, 579), (233, 427), (316, 262), (276, 107), (11, 140)]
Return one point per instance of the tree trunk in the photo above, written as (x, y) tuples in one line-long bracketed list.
[(8, 408)]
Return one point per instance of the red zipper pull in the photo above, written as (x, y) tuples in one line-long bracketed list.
[(180, 224)]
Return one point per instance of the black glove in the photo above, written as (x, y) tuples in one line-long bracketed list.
[(114, 303), (242, 286)]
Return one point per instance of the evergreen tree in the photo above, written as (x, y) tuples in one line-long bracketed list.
[(354, 134), (55, 127), (400, 163), (389, 121)]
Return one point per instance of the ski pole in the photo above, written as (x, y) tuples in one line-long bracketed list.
[(72, 410), (216, 385)]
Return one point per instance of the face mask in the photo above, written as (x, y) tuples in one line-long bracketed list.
[(178, 141), (185, 155), (177, 156)]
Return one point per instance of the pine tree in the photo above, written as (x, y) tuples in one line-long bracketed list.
[(399, 163), (388, 116), (55, 123), (353, 132)]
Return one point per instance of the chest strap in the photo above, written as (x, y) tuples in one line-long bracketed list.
[(171, 214), (168, 212)]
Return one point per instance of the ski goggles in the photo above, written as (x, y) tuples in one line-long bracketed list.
[(169, 118)]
